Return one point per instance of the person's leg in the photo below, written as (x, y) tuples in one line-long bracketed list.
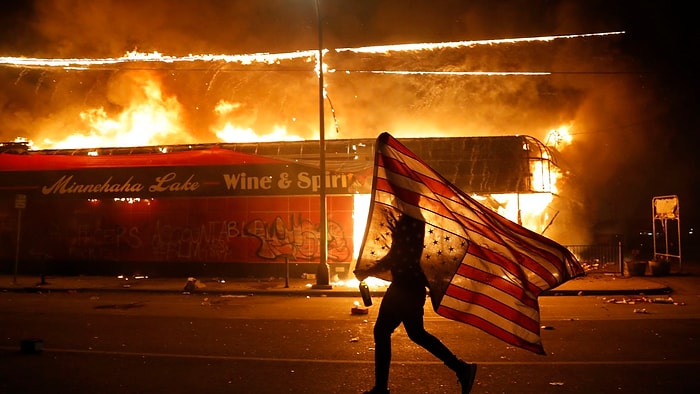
[(388, 320), (417, 333)]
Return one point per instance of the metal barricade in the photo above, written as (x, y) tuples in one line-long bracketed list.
[(599, 258)]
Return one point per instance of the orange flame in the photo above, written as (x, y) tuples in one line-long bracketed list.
[(559, 138), (149, 118), (228, 132)]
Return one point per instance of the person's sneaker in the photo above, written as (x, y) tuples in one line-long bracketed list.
[(466, 373), (376, 390)]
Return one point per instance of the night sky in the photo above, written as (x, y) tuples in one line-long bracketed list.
[(631, 99)]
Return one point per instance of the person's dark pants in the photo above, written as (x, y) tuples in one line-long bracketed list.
[(405, 306)]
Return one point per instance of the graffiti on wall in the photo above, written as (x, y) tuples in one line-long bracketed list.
[(299, 239), (98, 242), (206, 242), (131, 233)]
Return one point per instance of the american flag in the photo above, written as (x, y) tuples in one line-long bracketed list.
[(482, 269)]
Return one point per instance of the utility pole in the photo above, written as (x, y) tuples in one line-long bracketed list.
[(322, 273)]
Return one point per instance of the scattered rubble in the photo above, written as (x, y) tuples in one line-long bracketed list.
[(358, 310), (643, 299)]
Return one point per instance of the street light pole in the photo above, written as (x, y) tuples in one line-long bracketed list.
[(322, 273)]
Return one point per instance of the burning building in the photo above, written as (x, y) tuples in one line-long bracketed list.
[(234, 209)]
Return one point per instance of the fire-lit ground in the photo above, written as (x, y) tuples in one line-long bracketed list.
[(235, 343)]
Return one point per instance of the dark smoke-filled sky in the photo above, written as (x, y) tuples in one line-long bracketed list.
[(629, 99)]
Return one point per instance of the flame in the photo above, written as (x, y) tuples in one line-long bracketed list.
[(149, 118), (372, 283), (465, 44), (544, 176), (559, 138), (154, 57), (528, 210), (229, 132)]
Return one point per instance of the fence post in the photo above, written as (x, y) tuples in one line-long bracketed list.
[(619, 257), (286, 272)]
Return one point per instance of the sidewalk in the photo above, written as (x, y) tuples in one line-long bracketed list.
[(591, 284)]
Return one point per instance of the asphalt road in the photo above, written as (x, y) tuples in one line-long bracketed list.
[(166, 343)]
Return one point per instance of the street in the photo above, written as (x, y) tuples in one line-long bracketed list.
[(168, 343)]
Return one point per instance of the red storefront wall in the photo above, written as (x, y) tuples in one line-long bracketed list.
[(252, 235), (193, 212)]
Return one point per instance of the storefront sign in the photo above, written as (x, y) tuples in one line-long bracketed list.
[(178, 181)]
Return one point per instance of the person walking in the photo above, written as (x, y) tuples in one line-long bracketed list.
[(404, 302)]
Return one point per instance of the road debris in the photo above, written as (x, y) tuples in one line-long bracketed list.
[(31, 345), (642, 300), (358, 310)]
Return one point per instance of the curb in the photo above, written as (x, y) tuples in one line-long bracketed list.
[(650, 291)]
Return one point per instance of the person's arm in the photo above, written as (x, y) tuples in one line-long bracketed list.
[(381, 266)]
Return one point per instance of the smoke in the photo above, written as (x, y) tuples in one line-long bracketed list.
[(103, 28)]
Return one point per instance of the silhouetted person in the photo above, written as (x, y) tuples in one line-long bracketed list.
[(403, 303)]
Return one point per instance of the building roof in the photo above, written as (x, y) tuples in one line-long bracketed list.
[(481, 165)]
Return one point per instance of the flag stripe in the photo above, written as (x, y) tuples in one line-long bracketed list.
[(495, 303), (495, 320), (534, 345), (510, 308), (502, 284), (513, 270)]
